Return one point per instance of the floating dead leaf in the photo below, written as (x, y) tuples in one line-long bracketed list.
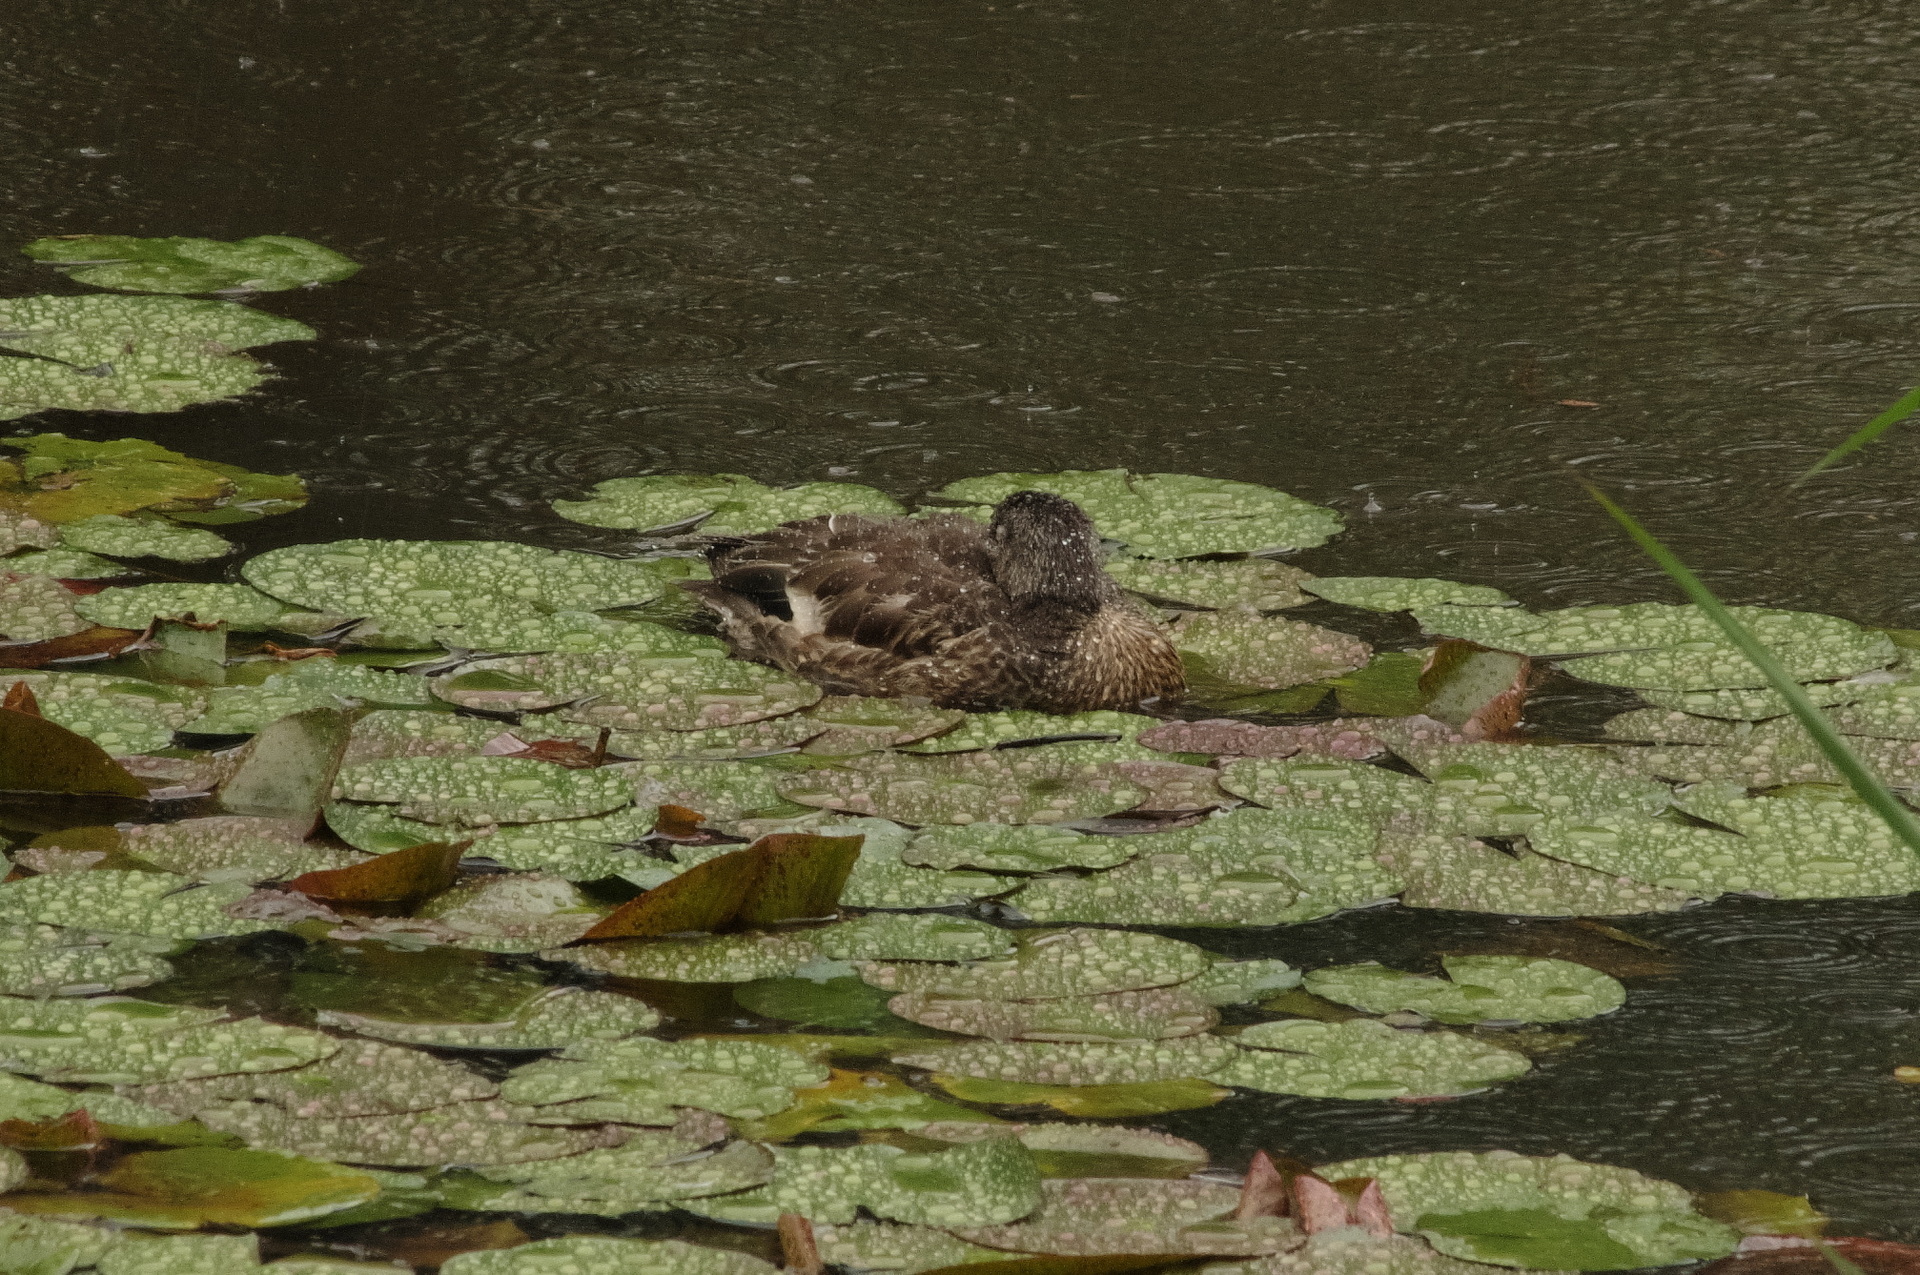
[(1480, 692), (1820, 1257), (784, 877), (38, 756), (194, 1186), (677, 823), (799, 1255), (403, 876), (19, 698), (74, 1131), (86, 644), (433, 1245)]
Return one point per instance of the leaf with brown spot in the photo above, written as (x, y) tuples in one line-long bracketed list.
[(1478, 691), (40, 756), (1264, 1192), (699, 900), (799, 1255), (86, 644), (403, 876), (20, 699), (784, 877), (74, 1131), (678, 823), (801, 877)]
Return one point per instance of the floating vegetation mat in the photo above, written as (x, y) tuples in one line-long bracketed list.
[(409, 900)]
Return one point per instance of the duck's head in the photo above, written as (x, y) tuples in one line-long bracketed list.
[(1045, 548)]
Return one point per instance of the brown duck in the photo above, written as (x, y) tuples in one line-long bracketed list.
[(1016, 614)]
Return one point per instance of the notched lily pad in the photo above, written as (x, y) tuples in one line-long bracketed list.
[(137, 606), (1477, 989), (725, 504), (1364, 1059), (555, 1018)]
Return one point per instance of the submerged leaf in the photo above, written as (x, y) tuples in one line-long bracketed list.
[(726, 504), (194, 1186), (405, 876), (264, 263), (1477, 989)]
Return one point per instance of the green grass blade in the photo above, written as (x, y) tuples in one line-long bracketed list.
[(1836, 1261), (1831, 743), (1866, 434)]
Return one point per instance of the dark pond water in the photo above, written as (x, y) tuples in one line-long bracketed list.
[(1355, 251)]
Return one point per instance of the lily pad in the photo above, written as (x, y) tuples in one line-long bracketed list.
[(852, 724), (909, 937), (553, 1019), (896, 1249), (45, 960), (651, 1170), (1094, 1102), (126, 1042), (1646, 1222), (363, 1078), (481, 1132), (137, 606), (718, 743), (1504, 789), (852, 1100), (1049, 784), (581, 633), (148, 537), (47, 1246), (152, 903), (517, 912), (193, 1186), (1078, 1063), (974, 1184), (122, 715), (991, 730), (264, 263), (426, 585), (20, 530), (1159, 1013), (1352, 1251), (719, 958), (596, 1253), (36, 608), (631, 692), (726, 504), (64, 564), (229, 848), (129, 354), (1267, 652), (1364, 1059), (484, 790), (1101, 1216), (1393, 593), (1326, 786), (63, 480), (1477, 989), (1052, 963), (642, 1080), (1469, 876), (1801, 844), (1750, 704), (1243, 584), (1165, 887), (998, 847), (1241, 982), (1170, 515), (721, 791)]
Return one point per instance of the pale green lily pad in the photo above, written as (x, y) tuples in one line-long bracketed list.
[(146, 537), (183, 1255), (315, 683), (364, 1078), (1245, 584), (1327, 854), (1241, 982), (718, 743), (1665, 726), (377, 830), (649, 1172), (483, 1132), (1080, 1063), (484, 790), (1266, 651), (20, 530), (153, 903), (999, 847), (642, 1080), (1170, 515), (47, 1246), (560, 850), (513, 912), (991, 730), (1796, 845), (730, 504), (126, 1042), (23, 1099), (230, 848), (909, 937), (1164, 887), (1879, 712), (67, 479), (1394, 593), (1464, 875), (36, 608), (1159, 1013), (137, 606), (130, 354), (1504, 789), (1051, 783), (1364, 1059), (122, 715), (1477, 989), (630, 692), (1654, 1221), (64, 564), (974, 1184), (719, 790), (580, 633), (1352, 1251), (45, 960), (398, 732), (1050, 963), (862, 1246), (1102, 1216), (426, 585), (1750, 704), (264, 263), (852, 724), (721, 958), (553, 1019), (593, 1254)]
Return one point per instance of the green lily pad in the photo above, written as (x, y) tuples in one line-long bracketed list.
[(1052, 783), (1052, 963), (1477, 989), (136, 606), (729, 504), (47, 1246), (1094, 1102), (126, 1042), (652, 1170), (879, 878), (481, 1132), (1165, 887), (582, 633), (151, 903), (64, 564), (484, 790), (897, 1249), (597, 1253), (122, 715), (1325, 786), (425, 585), (991, 730), (314, 683), (1878, 712), (555, 1018), (1159, 1013), (974, 1184), (1078, 1063), (1101, 1216), (1352, 1251), (1653, 1222), (1749, 704), (908, 937), (719, 958), (852, 724), (228, 848), (363, 1078), (377, 830), (1464, 875), (1170, 515), (998, 847), (193, 1186), (718, 743), (1393, 593), (20, 530), (1267, 652), (36, 608), (1802, 844), (517, 912), (1504, 789), (63, 480), (264, 263), (1364, 1059), (1243, 584), (642, 1080), (806, 999), (45, 960), (721, 791), (146, 537), (1241, 982), (130, 354), (631, 692)]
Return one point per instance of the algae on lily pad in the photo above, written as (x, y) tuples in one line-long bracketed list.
[(264, 263), (130, 354), (1477, 989), (1499, 1207), (1170, 515), (974, 1184), (1392, 593), (1244, 584), (725, 504), (1364, 1059)]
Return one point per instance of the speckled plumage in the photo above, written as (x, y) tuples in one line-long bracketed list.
[(1017, 614)]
